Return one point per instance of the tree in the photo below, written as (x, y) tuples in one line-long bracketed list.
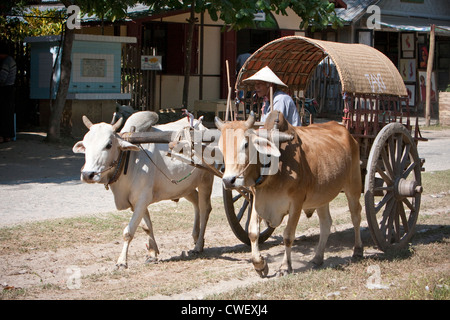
[(239, 14), (105, 9)]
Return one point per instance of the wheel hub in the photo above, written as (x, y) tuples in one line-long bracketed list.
[(406, 188)]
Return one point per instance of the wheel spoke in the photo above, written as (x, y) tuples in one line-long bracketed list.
[(402, 215), (248, 219), (242, 210), (390, 222), (409, 205), (383, 175), (386, 163), (408, 170), (396, 229), (391, 145), (383, 201), (405, 157), (386, 188), (398, 152), (386, 215), (237, 197)]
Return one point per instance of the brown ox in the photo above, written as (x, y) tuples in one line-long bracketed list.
[(319, 162)]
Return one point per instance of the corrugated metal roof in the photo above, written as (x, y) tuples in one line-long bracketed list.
[(415, 24), (355, 9)]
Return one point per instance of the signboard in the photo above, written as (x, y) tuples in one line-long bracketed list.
[(260, 16), (151, 62), (93, 67)]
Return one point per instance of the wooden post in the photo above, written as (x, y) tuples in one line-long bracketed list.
[(271, 98), (429, 72), (227, 112)]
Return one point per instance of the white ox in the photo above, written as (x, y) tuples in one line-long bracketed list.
[(147, 178), (320, 161)]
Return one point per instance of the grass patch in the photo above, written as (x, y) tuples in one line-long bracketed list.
[(71, 232), (421, 273), (61, 233), (436, 181)]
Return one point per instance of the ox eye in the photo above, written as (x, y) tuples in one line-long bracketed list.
[(109, 145)]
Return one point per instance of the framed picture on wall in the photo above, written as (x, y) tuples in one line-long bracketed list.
[(408, 42), (422, 85), (407, 69), (423, 56), (411, 89)]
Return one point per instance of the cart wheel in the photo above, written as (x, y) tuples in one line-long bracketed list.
[(393, 187), (237, 202)]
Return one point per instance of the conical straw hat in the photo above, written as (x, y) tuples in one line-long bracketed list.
[(267, 75)]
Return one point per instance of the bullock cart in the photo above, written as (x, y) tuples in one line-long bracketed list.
[(376, 112)]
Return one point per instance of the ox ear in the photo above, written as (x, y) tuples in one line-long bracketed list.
[(126, 146), (79, 147), (265, 146)]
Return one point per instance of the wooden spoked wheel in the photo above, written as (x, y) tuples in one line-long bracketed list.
[(393, 187), (238, 208)]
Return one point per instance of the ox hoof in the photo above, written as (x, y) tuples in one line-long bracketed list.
[(194, 252), (121, 266), (317, 262), (262, 272), (358, 253), (282, 273), (150, 260)]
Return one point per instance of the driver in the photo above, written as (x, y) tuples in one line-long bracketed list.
[(263, 80)]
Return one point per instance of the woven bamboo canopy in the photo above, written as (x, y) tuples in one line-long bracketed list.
[(362, 69)]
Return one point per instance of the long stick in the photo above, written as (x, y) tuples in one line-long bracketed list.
[(228, 105), (228, 110), (271, 98)]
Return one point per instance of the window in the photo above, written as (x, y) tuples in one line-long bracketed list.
[(169, 39)]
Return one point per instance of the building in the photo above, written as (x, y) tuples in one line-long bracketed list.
[(388, 25)]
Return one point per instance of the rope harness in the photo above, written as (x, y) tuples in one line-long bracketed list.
[(121, 163)]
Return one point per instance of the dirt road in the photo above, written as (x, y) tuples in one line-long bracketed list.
[(40, 181)]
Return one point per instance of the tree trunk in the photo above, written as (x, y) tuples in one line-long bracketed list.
[(188, 56), (57, 107)]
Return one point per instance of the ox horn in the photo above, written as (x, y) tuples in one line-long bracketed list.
[(250, 121), (118, 124), (113, 120), (219, 123), (87, 122), (281, 136)]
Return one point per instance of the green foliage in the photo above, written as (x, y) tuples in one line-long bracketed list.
[(32, 23), (239, 14), (105, 9)]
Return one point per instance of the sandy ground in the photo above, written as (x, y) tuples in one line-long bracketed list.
[(42, 181)]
